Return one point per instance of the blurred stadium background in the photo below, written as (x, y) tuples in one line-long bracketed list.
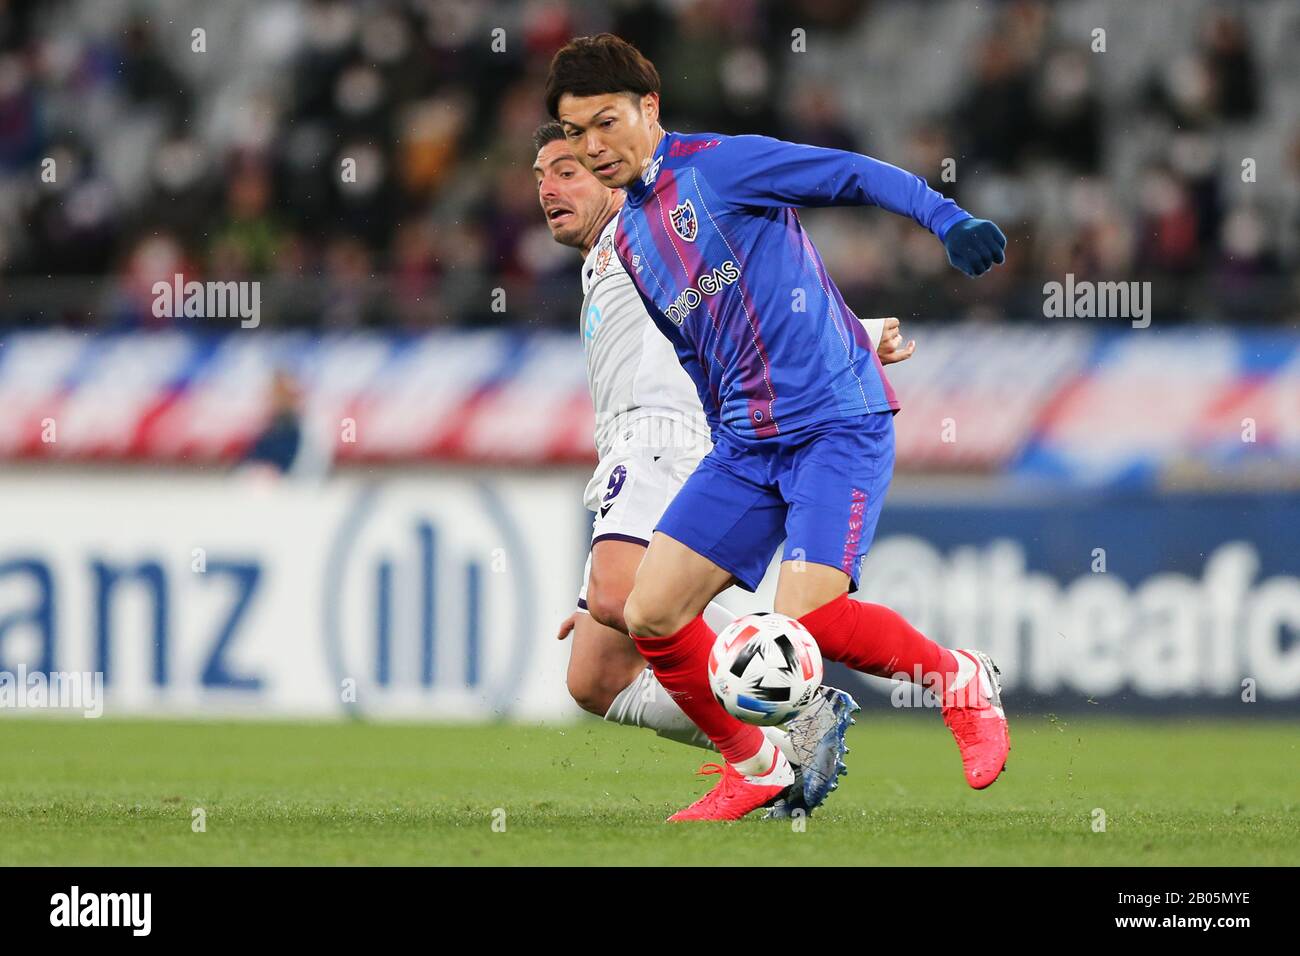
[(371, 501)]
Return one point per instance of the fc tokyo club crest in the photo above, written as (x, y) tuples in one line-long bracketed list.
[(685, 224), (604, 254)]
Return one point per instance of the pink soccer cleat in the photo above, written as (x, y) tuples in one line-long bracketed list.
[(737, 794), (972, 709)]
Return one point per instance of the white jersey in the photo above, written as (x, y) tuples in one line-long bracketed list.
[(632, 369)]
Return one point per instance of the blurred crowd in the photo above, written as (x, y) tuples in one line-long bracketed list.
[(368, 161)]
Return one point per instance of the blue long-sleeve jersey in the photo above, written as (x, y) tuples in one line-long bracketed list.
[(727, 272)]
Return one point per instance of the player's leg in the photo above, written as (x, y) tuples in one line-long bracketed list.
[(867, 637), (664, 613), (629, 492), (614, 561), (803, 586), (628, 500), (836, 488), (607, 675), (719, 528), (602, 664), (673, 586)]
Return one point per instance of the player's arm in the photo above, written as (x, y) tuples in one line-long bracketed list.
[(762, 171)]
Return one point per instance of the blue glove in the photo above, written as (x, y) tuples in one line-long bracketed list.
[(974, 245)]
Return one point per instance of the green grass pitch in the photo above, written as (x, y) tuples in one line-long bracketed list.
[(123, 792)]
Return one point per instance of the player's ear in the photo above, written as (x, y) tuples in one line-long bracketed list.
[(650, 107)]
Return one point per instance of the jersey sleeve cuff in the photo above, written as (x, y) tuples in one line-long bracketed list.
[(956, 215)]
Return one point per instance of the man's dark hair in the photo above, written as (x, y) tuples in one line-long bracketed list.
[(589, 66), (548, 132)]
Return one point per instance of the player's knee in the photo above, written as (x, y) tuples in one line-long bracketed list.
[(613, 573), (594, 687), (605, 605), (637, 621), (649, 618), (589, 693)]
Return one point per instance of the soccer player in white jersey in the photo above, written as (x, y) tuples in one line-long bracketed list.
[(650, 434)]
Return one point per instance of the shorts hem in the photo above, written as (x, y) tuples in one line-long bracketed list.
[(853, 579), (618, 536)]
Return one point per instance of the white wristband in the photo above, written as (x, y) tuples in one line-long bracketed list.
[(875, 328)]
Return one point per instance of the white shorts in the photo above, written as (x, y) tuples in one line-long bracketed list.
[(636, 480)]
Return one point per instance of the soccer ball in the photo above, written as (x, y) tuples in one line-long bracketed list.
[(764, 668)]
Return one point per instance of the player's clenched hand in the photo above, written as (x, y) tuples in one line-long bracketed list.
[(974, 245), (566, 628), (891, 348)]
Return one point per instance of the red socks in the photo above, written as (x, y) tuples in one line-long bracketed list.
[(867, 637), (876, 640), (680, 661)]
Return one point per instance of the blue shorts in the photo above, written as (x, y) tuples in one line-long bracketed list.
[(821, 491)]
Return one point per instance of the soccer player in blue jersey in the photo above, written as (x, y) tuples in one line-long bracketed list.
[(800, 411)]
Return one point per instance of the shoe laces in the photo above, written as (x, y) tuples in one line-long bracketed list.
[(725, 787)]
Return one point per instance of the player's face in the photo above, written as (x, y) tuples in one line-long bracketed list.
[(571, 198), (612, 134)]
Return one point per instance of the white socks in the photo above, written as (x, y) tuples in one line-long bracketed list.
[(759, 768), (717, 617)]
